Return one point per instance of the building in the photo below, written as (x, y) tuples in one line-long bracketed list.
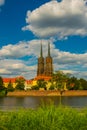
[(6, 81), (44, 71), (45, 65), (27, 83)]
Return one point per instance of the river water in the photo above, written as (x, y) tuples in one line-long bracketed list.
[(9, 103)]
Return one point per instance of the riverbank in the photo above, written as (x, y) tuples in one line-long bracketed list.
[(48, 93)]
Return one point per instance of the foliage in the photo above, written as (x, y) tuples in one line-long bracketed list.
[(44, 118), (3, 90), (76, 84), (10, 87), (59, 78), (1, 83), (35, 87), (41, 83), (20, 83), (52, 87), (72, 83), (83, 84)]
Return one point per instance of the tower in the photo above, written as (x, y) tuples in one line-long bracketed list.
[(40, 68), (48, 64), (44, 67)]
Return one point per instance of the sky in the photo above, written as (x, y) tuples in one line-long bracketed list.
[(24, 24)]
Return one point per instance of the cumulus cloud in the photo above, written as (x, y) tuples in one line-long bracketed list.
[(2, 2), (24, 48), (13, 68), (21, 59), (60, 19)]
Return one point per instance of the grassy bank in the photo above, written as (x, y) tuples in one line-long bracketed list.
[(44, 118)]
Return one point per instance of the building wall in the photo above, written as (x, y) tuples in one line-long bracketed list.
[(6, 84)]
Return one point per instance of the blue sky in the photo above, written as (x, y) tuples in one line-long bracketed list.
[(24, 23)]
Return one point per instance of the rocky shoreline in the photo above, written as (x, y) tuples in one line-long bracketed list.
[(48, 93)]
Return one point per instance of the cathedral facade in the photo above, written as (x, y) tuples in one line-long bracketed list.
[(45, 65)]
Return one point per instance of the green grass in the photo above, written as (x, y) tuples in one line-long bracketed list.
[(44, 118)]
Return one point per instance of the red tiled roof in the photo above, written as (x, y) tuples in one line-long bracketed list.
[(6, 80), (29, 81), (12, 80)]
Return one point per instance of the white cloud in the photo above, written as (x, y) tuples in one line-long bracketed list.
[(2, 2), (14, 51), (21, 59), (61, 19), (12, 68), (23, 48)]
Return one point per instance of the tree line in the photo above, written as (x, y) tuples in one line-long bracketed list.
[(59, 81)]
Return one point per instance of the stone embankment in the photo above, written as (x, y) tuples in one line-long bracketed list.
[(48, 93)]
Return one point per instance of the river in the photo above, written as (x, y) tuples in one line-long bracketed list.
[(10, 103)]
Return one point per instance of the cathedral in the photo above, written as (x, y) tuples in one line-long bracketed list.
[(45, 65)]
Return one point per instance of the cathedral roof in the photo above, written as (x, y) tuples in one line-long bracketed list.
[(47, 78)]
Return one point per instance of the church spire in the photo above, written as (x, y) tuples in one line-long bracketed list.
[(48, 49), (41, 51)]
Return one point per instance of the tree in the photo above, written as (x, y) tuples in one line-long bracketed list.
[(1, 84), (59, 78), (73, 83), (20, 83), (52, 87), (41, 83), (3, 90), (83, 84), (10, 87), (35, 87)]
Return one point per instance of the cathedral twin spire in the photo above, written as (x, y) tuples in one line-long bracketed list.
[(45, 67), (41, 50), (49, 49)]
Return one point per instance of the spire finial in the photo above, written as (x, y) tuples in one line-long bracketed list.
[(41, 52), (49, 49)]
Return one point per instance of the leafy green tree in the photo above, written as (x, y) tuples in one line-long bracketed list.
[(41, 83), (73, 83), (83, 84), (20, 83), (3, 90), (1, 84), (52, 87), (59, 78), (10, 87), (35, 87)]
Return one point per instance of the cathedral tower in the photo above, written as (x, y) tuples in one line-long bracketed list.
[(40, 68), (44, 67), (48, 64)]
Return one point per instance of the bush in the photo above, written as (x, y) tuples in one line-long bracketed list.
[(3, 128), (3, 92), (51, 87), (35, 87)]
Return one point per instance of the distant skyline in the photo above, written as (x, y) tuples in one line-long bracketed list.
[(25, 23)]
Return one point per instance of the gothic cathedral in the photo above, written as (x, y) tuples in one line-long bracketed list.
[(45, 65)]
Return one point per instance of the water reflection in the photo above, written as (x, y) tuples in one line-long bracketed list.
[(8, 103)]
